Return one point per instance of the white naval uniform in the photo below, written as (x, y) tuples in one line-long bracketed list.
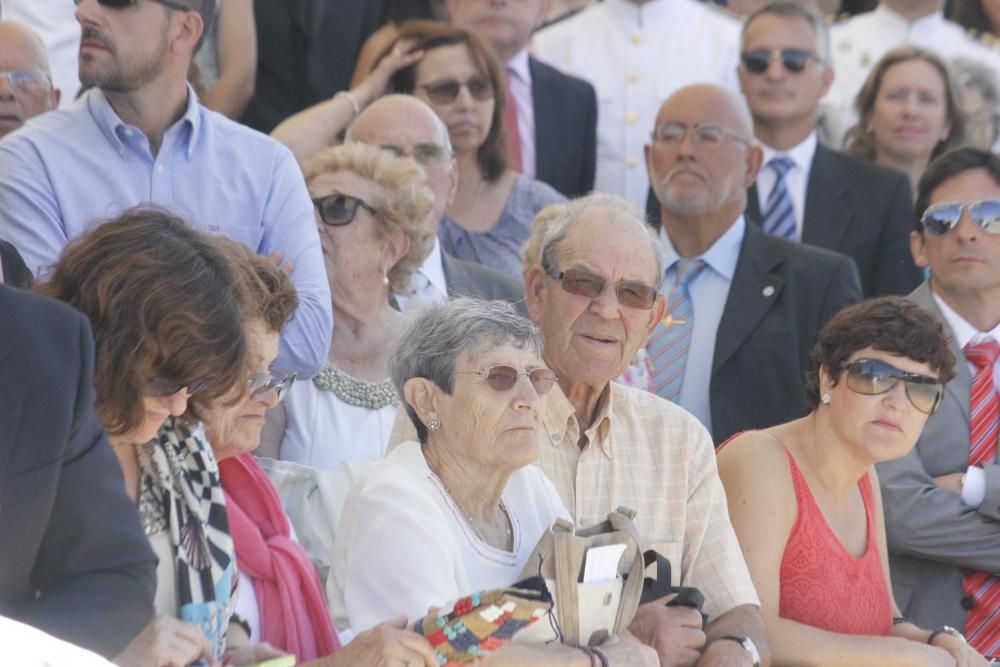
[(858, 43), (636, 56)]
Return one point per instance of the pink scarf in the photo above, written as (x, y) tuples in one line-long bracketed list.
[(290, 599)]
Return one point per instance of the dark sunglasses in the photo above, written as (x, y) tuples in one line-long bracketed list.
[(122, 4), (338, 210), (941, 218), (872, 376), (445, 92), (161, 386), (278, 381), (503, 378), (584, 283), (794, 61)]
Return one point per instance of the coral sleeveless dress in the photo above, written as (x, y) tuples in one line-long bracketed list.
[(823, 585)]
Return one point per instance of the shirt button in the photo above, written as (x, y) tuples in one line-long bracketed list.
[(159, 168), (631, 161), (128, 132), (637, 39), (631, 117), (555, 437)]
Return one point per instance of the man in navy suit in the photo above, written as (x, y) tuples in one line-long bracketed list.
[(555, 114), (74, 560), (755, 302)]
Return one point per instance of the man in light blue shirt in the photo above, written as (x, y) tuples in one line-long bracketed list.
[(139, 136)]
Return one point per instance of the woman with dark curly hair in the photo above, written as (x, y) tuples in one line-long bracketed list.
[(805, 502)]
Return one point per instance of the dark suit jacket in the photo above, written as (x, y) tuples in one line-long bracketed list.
[(862, 210), (74, 560), (931, 533), (782, 294), (15, 272), (469, 279), (565, 129)]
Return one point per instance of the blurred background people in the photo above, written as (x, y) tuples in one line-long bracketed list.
[(26, 87), (980, 93), (55, 24), (225, 65), (980, 17)]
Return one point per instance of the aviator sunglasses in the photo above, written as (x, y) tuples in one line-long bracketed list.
[(756, 61), (941, 218), (445, 92), (584, 283), (872, 376), (503, 378), (122, 4), (337, 210)]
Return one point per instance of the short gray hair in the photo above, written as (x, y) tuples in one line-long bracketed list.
[(615, 208), (793, 10), (431, 343)]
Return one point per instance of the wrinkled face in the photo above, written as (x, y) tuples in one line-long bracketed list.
[(910, 115), (965, 261), (507, 24), (980, 120), (27, 91), (121, 50), (468, 119), (494, 428), (778, 94), (235, 429), (591, 341), (881, 427)]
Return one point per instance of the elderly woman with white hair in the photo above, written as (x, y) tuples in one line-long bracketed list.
[(461, 510)]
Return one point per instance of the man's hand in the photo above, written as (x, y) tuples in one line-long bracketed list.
[(952, 482), (725, 653), (675, 632)]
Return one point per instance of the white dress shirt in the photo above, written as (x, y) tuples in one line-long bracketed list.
[(427, 284), (55, 22), (636, 56), (974, 488), (519, 83), (709, 291), (796, 179)]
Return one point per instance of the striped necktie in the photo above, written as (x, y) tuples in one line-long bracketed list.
[(779, 214), (668, 345), (982, 626)]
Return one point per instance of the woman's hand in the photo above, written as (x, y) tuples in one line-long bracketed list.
[(389, 644), (375, 84), (165, 642), (626, 651), (963, 654), (251, 654)]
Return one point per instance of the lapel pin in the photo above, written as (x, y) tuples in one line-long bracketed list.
[(768, 291)]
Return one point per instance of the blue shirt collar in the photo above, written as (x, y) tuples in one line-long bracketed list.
[(110, 123), (721, 257)]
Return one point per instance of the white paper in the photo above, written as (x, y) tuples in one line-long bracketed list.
[(601, 563)]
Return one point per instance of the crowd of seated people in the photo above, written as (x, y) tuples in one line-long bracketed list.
[(496, 274)]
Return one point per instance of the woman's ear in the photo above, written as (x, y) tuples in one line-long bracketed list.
[(421, 395)]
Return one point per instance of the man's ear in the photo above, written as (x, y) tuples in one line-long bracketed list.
[(544, 7), (918, 248), (755, 157), (534, 291), (421, 395), (190, 28), (656, 314), (452, 181)]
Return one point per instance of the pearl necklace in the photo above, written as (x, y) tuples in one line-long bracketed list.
[(503, 509), (373, 395)]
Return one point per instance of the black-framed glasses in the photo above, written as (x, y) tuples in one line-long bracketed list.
[(160, 386), (941, 218), (704, 135), (27, 80), (503, 378), (874, 376), (280, 382), (445, 92), (337, 210), (756, 61), (425, 153), (122, 4), (630, 293)]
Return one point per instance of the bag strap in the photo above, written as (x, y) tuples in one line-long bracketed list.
[(566, 569), (654, 589)]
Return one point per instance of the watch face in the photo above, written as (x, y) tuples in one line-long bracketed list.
[(752, 649)]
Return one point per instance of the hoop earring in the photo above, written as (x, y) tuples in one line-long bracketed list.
[(433, 425), (825, 399)]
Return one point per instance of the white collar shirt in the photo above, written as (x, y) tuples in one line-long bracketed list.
[(427, 284), (796, 180), (965, 333)]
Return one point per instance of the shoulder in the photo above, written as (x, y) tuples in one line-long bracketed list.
[(565, 29), (565, 84), (61, 127), (751, 452), (36, 321), (252, 145), (800, 257), (715, 15), (862, 172), (537, 194)]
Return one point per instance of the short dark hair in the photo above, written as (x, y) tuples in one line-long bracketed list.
[(892, 324), (427, 35), (948, 166), (163, 300)]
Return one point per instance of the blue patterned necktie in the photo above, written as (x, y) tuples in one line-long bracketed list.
[(779, 214), (668, 345)]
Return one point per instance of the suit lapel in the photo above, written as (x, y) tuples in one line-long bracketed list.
[(455, 276), (755, 288), (960, 388), (545, 117), (12, 390), (828, 211), (752, 212)]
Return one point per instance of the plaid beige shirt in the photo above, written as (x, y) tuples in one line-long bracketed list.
[(647, 454)]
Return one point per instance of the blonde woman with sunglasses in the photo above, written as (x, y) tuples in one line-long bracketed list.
[(805, 501)]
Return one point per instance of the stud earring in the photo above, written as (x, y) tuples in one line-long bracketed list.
[(825, 399), (433, 425), (385, 276)]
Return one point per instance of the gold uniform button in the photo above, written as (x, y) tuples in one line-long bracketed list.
[(637, 39), (631, 161), (631, 117), (633, 77)]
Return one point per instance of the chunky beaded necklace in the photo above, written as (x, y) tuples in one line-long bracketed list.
[(373, 395)]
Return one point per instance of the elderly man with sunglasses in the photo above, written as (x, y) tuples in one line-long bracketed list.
[(942, 501), (140, 136), (805, 191)]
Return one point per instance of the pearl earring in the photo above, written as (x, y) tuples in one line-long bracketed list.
[(825, 399), (385, 276), (433, 425)]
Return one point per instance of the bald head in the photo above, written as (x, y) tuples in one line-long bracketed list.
[(723, 105), (27, 91)]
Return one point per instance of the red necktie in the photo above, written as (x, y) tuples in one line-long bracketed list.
[(982, 625), (510, 122)]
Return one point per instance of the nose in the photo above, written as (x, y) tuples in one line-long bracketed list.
[(686, 145), (966, 230), (605, 305), (525, 396), (464, 98), (84, 11), (6, 89), (176, 403), (910, 104), (268, 399), (775, 69), (896, 397)]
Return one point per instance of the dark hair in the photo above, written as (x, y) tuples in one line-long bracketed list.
[(268, 293), (970, 15), (397, 11), (427, 35), (890, 324), (948, 166), (163, 300), (860, 140)]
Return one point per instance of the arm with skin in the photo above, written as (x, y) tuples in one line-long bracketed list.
[(237, 49)]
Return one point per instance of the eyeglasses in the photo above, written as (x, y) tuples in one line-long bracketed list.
[(338, 210), (445, 92), (161, 386), (278, 381), (29, 80), (584, 283), (872, 376), (794, 61), (705, 135), (503, 378), (122, 4), (425, 154), (941, 218)]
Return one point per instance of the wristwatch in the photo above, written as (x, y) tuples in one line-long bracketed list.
[(747, 645), (946, 630)]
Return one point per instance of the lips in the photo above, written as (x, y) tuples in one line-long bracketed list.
[(600, 338), (888, 424)]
